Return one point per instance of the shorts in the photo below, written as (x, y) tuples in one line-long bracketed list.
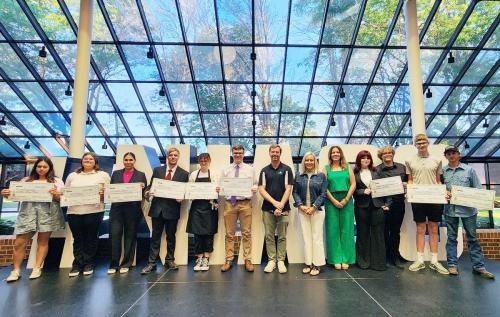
[(424, 212)]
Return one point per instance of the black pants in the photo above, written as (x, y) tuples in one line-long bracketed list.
[(203, 243), (370, 244), (393, 220), (123, 223), (85, 230), (170, 226)]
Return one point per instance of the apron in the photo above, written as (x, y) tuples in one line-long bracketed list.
[(203, 220)]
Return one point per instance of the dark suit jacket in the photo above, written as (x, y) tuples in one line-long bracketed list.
[(362, 200), (137, 177), (164, 207)]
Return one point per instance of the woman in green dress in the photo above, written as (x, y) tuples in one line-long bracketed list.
[(339, 220)]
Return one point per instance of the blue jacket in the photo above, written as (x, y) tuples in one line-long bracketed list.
[(317, 188)]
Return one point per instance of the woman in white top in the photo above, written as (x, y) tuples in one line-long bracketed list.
[(203, 216), (33, 217), (84, 220)]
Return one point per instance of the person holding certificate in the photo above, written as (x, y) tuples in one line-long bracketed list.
[(458, 174), (275, 186), (203, 216), (33, 217), (239, 207), (84, 220), (124, 218), (165, 212), (393, 218), (339, 216), (309, 194), (369, 213), (425, 169)]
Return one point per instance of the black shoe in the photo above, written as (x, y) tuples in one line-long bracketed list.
[(75, 271), (88, 269), (171, 265), (148, 268)]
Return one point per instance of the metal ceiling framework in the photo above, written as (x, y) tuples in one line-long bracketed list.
[(180, 133)]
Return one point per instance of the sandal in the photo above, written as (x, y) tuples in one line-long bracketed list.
[(306, 269), (314, 271)]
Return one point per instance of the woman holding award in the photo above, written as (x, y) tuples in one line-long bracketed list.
[(124, 217), (203, 216), (33, 217), (84, 220)]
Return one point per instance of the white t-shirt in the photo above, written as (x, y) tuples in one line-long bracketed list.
[(423, 169), (85, 179)]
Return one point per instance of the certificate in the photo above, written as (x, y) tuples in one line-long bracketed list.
[(386, 186), (30, 191), (201, 191), (426, 194), (168, 189), (80, 195), (237, 186), (472, 197), (118, 193)]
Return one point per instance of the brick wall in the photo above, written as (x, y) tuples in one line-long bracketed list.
[(7, 250), (490, 243)]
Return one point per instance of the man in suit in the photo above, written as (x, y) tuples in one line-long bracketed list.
[(165, 212)]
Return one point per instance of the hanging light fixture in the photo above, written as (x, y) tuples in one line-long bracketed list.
[(42, 53), (88, 122), (486, 124), (428, 94), (333, 123), (104, 146), (162, 92), (2, 121), (467, 146), (27, 145), (451, 58), (342, 93), (150, 53), (172, 123), (68, 91)]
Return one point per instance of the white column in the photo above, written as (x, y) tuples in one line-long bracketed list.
[(80, 97), (414, 68)]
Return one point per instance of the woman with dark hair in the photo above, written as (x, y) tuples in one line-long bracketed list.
[(33, 217), (339, 217), (124, 217), (203, 216), (370, 218), (84, 220)]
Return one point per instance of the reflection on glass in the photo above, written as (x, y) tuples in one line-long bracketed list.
[(96, 144), (350, 102), (428, 59), (438, 125), (316, 124), (310, 145), (51, 145), (484, 99), (161, 122), (32, 124), (461, 126), (294, 144), (7, 150), (67, 53), (48, 69), (138, 124), (112, 124), (33, 150), (401, 101), (486, 148), (341, 20)]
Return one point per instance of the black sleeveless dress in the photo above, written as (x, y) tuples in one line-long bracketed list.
[(203, 220)]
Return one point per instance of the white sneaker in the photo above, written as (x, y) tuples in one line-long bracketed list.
[(36, 273), (438, 267), (281, 267), (417, 266), (270, 266), (204, 264), (13, 276), (197, 266), (111, 270), (124, 270)]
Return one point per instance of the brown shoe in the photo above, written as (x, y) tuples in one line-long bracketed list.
[(485, 274), (248, 266), (227, 266), (453, 270)]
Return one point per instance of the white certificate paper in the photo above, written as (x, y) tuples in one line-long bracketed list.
[(426, 194), (168, 189), (387, 186), (118, 193), (473, 197), (237, 186), (201, 191), (80, 195), (30, 191)]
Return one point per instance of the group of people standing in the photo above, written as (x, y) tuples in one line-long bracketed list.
[(328, 198)]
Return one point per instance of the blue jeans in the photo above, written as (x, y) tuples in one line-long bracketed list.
[(469, 225)]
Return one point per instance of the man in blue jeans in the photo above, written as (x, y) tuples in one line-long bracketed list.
[(458, 174)]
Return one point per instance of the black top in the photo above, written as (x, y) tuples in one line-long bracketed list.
[(275, 184), (397, 169), (362, 200), (137, 177)]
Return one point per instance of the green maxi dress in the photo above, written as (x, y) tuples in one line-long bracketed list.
[(339, 223)]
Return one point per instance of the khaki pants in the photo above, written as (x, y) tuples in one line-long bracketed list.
[(243, 210), (271, 222)]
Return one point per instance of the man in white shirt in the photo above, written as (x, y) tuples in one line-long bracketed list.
[(238, 207)]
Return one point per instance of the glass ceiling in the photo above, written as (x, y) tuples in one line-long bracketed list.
[(303, 72)]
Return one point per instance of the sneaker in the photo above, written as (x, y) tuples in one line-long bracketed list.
[(124, 270), (111, 270), (483, 273), (204, 264), (306, 269), (88, 269), (197, 266), (417, 266), (314, 271), (36, 273), (13, 276), (148, 268), (270, 266), (170, 264), (453, 270), (438, 267), (75, 271), (281, 267)]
